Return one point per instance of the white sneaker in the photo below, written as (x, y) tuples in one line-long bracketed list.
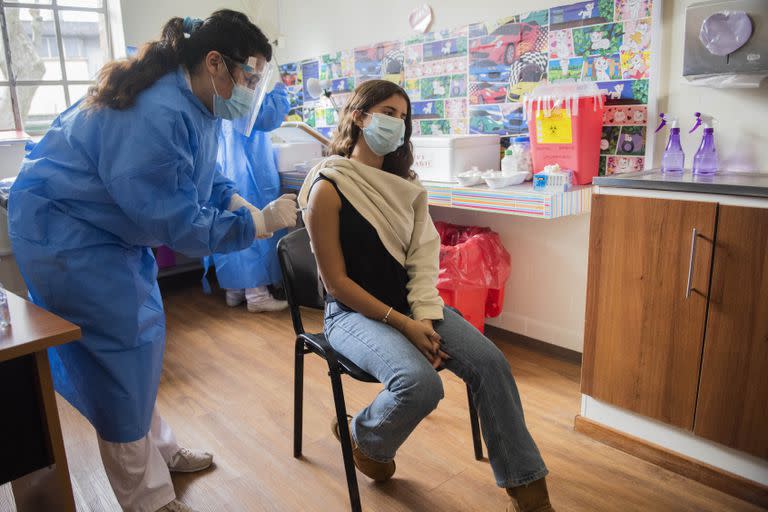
[(265, 304), (175, 506), (260, 300), (235, 297), (189, 461)]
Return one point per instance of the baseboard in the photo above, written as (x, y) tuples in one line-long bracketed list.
[(566, 354), (710, 476)]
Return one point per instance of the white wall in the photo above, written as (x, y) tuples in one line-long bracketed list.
[(143, 19)]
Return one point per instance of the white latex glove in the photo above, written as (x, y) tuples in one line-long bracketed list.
[(237, 202), (281, 213)]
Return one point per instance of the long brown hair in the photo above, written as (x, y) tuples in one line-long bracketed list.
[(183, 42), (367, 95)]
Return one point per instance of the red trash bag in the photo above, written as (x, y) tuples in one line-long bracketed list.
[(474, 268)]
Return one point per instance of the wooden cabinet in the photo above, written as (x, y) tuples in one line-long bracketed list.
[(644, 331), (662, 342), (733, 396)]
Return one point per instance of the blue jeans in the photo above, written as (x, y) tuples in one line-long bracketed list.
[(412, 389)]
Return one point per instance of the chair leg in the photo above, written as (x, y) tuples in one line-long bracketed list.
[(346, 440), (476, 439), (298, 398)]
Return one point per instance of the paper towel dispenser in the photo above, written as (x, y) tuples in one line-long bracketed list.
[(726, 38)]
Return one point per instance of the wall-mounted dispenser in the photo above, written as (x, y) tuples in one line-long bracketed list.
[(726, 43)]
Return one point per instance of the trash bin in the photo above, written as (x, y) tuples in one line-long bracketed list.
[(474, 268)]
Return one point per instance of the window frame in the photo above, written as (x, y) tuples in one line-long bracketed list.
[(107, 9)]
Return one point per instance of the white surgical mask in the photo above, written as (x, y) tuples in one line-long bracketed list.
[(237, 106), (384, 134)]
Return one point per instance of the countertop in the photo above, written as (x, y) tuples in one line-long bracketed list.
[(735, 184), (33, 329)]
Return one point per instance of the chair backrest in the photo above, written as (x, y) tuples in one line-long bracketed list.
[(300, 278)]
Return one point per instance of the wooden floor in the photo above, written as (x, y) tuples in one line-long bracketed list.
[(227, 387)]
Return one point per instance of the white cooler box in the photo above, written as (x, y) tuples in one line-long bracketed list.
[(441, 158)]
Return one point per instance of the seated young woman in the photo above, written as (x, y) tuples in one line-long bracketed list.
[(377, 253)]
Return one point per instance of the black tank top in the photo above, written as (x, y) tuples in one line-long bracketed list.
[(368, 262)]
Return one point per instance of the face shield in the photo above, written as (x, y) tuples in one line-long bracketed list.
[(256, 79)]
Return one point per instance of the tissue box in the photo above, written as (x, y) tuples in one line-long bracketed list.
[(443, 158), (560, 181)]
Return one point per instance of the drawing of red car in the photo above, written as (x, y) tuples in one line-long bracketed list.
[(502, 46), (488, 93)]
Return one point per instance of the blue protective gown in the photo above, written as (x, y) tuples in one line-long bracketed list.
[(250, 163), (99, 189)]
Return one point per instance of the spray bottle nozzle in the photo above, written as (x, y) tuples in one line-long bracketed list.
[(702, 119), (665, 119)]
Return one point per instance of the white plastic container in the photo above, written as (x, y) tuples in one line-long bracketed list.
[(293, 145), (12, 150), (443, 158)]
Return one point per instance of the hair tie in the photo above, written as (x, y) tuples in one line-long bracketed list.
[(189, 25)]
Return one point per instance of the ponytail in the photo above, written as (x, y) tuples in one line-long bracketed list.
[(183, 42)]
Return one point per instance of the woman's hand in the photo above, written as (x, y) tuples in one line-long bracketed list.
[(424, 338)]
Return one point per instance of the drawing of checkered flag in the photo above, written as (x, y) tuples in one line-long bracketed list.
[(530, 67), (392, 63)]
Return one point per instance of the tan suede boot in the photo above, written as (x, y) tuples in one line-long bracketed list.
[(530, 498), (378, 471)]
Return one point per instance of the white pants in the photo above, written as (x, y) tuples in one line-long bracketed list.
[(138, 471)]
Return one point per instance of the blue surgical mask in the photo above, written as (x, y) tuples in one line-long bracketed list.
[(384, 134), (237, 106)]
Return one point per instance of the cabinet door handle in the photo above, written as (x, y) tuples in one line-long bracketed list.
[(690, 263)]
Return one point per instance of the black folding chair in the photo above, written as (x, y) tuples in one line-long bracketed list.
[(302, 289)]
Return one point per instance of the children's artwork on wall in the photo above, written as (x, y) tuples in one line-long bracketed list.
[(487, 93), (602, 69), (289, 74), (336, 65), (309, 69), (561, 44), (566, 69), (631, 141), (485, 119), (625, 115), (625, 92), (456, 109), (540, 18), (598, 39), (609, 140), (428, 109), (637, 36), (382, 60), (632, 9), (635, 65), (473, 79), (624, 164), (514, 119), (581, 14), (438, 127)]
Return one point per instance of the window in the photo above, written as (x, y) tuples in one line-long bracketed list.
[(50, 53)]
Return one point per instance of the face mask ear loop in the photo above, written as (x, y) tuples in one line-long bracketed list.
[(213, 82)]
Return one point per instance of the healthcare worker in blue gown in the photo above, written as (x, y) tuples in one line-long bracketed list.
[(250, 163), (131, 166)]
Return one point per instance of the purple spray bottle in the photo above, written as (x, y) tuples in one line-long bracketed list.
[(705, 160), (674, 158)]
